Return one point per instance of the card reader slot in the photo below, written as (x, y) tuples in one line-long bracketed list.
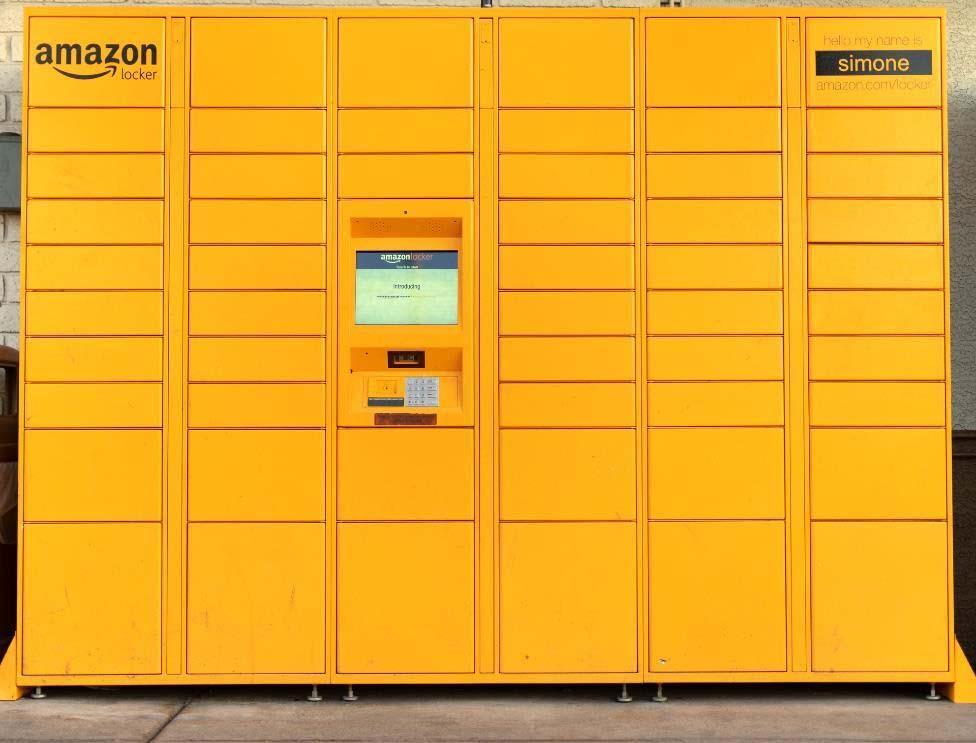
[(405, 359)]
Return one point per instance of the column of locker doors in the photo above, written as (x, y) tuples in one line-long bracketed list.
[(715, 308), (93, 368), (567, 347), (256, 348), (878, 438)]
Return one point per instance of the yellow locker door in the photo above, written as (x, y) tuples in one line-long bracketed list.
[(256, 598), (566, 62), (880, 596), (50, 86), (402, 488), (406, 62), (568, 598), (220, 488), (706, 75), (406, 598), (716, 473), (92, 599), (91, 475), (717, 596), (567, 474), (289, 72)]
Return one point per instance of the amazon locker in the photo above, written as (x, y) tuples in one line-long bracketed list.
[(478, 345)]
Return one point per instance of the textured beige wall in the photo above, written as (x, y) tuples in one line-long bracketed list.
[(962, 151)]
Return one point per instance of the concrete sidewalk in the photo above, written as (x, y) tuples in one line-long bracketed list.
[(587, 713)]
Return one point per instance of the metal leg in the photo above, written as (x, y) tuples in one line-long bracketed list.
[(38, 693), (314, 696), (659, 697), (350, 695), (933, 695), (624, 695)]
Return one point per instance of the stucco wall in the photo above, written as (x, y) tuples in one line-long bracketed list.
[(962, 151)]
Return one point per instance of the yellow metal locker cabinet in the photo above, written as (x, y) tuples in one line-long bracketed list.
[(478, 345)]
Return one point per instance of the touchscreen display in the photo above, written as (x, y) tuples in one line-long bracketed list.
[(418, 287)]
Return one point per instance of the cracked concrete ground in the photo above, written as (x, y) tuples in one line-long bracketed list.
[(547, 713)]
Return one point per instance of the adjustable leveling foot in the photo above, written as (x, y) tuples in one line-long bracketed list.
[(314, 696), (350, 695), (624, 695), (659, 697), (933, 695), (38, 693)]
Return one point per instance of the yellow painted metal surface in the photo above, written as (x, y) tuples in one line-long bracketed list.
[(95, 176), (566, 266), (220, 489), (722, 592), (256, 313), (227, 568), (406, 130), (258, 222), (226, 72), (565, 359), (392, 62), (412, 175), (716, 473), (253, 176), (714, 312), (566, 313), (561, 63), (94, 267), (275, 130), (108, 475), (256, 359), (712, 175), (898, 473), (874, 130), (112, 625), (861, 605), (97, 130), (753, 81), (876, 267), (714, 221), (876, 220), (671, 403), (561, 610), (572, 465), (730, 130), (714, 358), (257, 267), (95, 360), (93, 405), (714, 267), (369, 495), (586, 130), (405, 603), (80, 222)]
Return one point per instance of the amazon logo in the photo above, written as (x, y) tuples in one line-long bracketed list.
[(99, 60)]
